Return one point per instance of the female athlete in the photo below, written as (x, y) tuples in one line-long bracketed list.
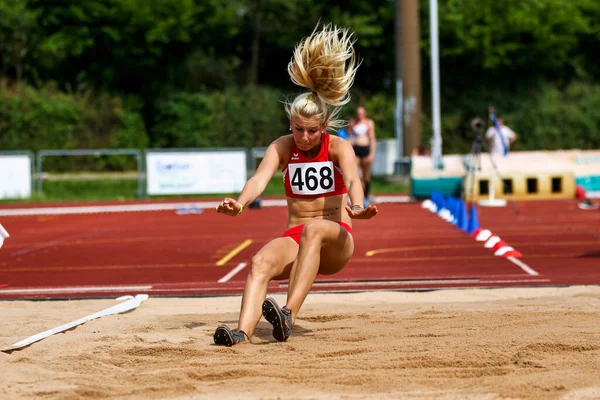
[(319, 173), (362, 137)]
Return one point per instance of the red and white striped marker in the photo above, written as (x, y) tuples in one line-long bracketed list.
[(476, 232), (512, 253), (499, 245), (483, 235), (508, 251), (429, 205), (503, 250), (491, 242)]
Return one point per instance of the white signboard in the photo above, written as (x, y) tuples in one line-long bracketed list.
[(195, 172), (15, 176)]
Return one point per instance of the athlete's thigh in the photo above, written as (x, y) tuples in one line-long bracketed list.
[(280, 253), (336, 250), (334, 257)]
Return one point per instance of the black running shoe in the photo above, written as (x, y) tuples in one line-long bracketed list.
[(280, 318), (224, 336)]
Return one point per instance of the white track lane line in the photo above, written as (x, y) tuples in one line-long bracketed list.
[(352, 286), (11, 212), (522, 265), (518, 281), (75, 289), (232, 273), (102, 209)]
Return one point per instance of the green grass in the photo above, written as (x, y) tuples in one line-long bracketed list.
[(126, 189)]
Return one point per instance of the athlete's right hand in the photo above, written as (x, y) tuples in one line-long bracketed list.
[(358, 212), (229, 207)]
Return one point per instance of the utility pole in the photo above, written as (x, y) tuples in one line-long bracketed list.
[(408, 77), (436, 141)]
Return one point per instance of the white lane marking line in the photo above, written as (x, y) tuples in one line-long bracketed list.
[(522, 265), (441, 282), (75, 289), (240, 286), (238, 289), (517, 281), (102, 209), (232, 273), (394, 282), (158, 207)]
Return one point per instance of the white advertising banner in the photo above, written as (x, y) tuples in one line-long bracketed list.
[(15, 176), (195, 172)]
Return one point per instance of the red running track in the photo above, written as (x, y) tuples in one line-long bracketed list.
[(162, 253)]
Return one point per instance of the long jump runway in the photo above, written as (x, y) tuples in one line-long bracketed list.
[(405, 247)]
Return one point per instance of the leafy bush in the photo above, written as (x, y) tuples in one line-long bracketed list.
[(555, 119), (545, 117), (35, 120), (184, 120), (250, 116), (236, 117), (48, 119)]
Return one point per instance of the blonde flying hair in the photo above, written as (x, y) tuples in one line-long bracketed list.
[(324, 63)]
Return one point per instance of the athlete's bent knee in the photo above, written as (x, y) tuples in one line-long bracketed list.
[(261, 268), (312, 230)]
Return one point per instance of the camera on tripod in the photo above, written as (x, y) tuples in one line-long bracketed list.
[(477, 125)]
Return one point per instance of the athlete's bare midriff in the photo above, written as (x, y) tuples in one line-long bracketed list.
[(362, 141), (330, 208)]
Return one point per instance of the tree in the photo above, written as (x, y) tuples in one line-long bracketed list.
[(17, 32), (510, 38), (119, 45)]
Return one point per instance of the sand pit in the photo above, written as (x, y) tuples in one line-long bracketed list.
[(454, 344)]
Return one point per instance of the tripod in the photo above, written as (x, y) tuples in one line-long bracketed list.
[(478, 145)]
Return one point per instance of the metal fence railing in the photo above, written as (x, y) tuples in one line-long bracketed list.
[(255, 154), (99, 152)]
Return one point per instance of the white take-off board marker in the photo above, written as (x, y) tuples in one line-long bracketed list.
[(130, 304), (3, 235)]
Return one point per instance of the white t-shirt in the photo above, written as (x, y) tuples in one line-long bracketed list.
[(507, 134)]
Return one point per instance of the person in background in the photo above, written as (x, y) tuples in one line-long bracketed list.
[(362, 137), (498, 141)]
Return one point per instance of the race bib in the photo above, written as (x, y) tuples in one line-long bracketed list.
[(312, 178)]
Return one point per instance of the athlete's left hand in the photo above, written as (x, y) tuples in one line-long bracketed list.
[(362, 213)]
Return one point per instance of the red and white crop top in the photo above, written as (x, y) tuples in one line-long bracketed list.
[(310, 178)]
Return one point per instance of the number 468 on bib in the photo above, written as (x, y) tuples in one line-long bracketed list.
[(311, 178)]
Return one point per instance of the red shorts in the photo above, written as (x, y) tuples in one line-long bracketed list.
[(296, 231)]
